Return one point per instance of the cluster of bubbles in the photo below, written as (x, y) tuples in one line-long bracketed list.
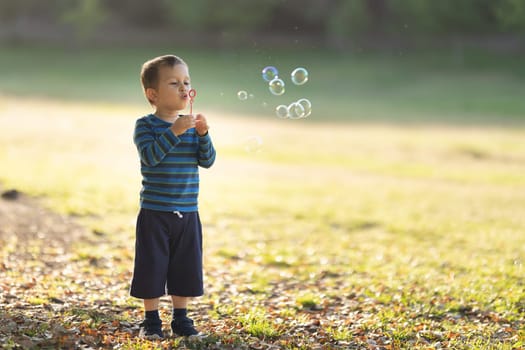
[(295, 110), (302, 108), (276, 85)]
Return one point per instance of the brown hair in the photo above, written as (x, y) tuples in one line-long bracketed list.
[(149, 75)]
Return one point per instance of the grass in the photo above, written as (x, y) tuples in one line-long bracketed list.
[(401, 220), (257, 323), (308, 301), (411, 232)]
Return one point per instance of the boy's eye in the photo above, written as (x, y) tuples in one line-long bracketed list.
[(175, 83)]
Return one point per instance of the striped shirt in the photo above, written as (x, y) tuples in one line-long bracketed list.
[(169, 164)]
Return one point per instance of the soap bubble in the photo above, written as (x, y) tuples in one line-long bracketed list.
[(242, 95), (276, 86), (299, 76), (251, 96), (269, 73), (281, 111), (307, 105), (295, 110), (253, 144)]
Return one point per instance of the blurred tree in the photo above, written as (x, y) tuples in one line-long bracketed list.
[(238, 17), (445, 16), (343, 20), (138, 13), (511, 14), (377, 11), (13, 11), (23, 18), (242, 16), (192, 15), (85, 16), (338, 21), (346, 19), (10, 9)]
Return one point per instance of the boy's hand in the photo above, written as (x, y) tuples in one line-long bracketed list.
[(183, 123), (201, 125)]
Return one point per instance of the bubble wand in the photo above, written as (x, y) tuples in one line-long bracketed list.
[(192, 93)]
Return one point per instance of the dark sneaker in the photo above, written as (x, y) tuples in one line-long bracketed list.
[(151, 329), (183, 326)]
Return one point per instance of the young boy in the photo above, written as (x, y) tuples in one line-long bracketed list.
[(171, 147)]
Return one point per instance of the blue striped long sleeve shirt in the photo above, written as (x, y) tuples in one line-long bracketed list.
[(169, 164)]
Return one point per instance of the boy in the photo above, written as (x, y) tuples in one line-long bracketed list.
[(171, 147)]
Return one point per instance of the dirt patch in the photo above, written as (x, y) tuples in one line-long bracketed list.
[(24, 223), (35, 249)]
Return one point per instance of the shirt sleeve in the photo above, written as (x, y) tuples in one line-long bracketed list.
[(206, 156), (153, 148)]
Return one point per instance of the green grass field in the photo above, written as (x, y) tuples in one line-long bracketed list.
[(418, 87), (371, 231)]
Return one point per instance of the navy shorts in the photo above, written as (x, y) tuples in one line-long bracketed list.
[(168, 255)]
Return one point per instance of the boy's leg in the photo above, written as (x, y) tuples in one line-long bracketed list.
[(152, 323), (185, 277), (151, 304), (181, 323), (179, 302)]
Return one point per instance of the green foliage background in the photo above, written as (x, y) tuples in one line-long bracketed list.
[(331, 20)]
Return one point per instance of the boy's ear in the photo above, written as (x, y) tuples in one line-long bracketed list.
[(151, 94)]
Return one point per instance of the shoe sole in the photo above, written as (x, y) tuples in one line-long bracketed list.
[(143, 335), (192, 336)]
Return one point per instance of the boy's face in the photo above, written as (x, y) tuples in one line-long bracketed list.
[(172, 90)]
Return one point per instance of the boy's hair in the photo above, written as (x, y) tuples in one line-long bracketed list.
[(149, 75)]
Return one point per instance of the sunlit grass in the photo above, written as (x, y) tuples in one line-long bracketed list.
[(36, 301), (425, 219), (340, 333), (258, 324), (308, 301)]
